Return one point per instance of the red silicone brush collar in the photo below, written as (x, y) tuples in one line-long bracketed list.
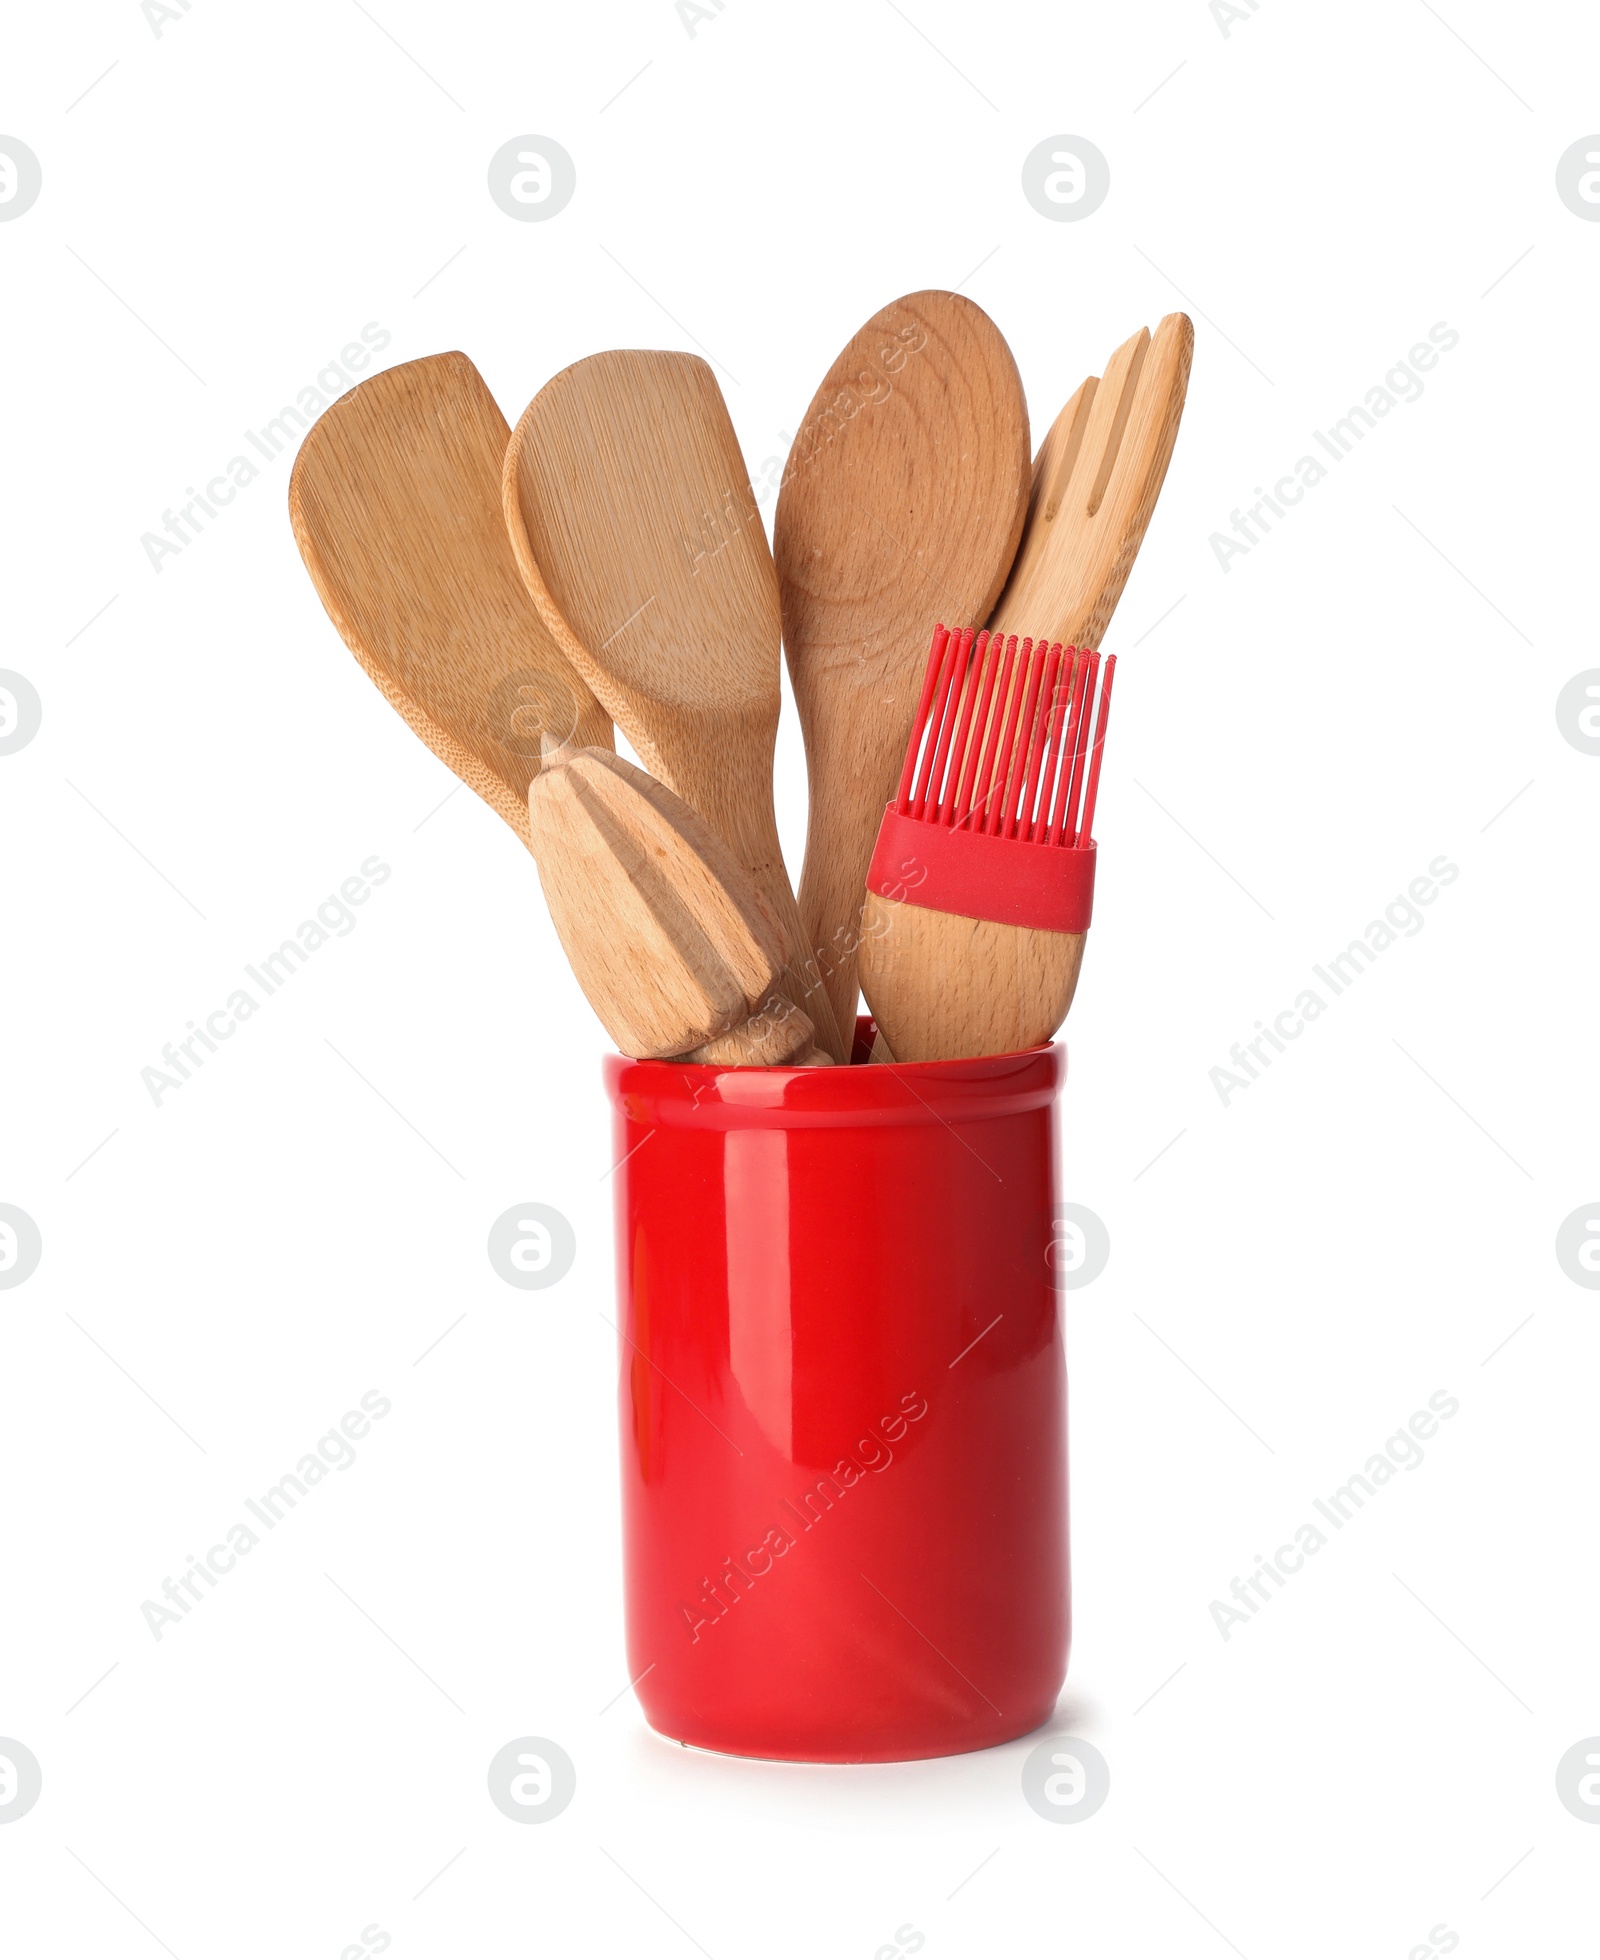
[(983, 877)]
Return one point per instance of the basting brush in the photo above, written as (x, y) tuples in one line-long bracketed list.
[(981, 886)]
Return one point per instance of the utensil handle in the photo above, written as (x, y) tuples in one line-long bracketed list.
[(847, 798), (738, 805)]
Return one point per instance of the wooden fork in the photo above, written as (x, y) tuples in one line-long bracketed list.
[(1095, 482)]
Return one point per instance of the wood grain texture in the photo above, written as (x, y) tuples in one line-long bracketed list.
[(672, 943), (395, 503), (901, 505), (942, 987), (775, 1035), (1096, 479), (630, 512)]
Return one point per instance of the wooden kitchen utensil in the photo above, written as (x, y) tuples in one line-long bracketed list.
[(666, 931), (981, 884), (395, 503), (630, 512), (1095, 482), (903, 499)]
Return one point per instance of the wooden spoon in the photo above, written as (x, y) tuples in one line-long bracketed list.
[(666, 931), (630, 512), (902, 502), (395, 503), (1095, 483)]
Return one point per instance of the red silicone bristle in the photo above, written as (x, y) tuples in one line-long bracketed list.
[(1060, 709), (982, 685), (1008, 741), (950, 757), (930, 679), (1039, 723), (983, 790), (1080, 749), (1016, 775), (1086, 828), (960, 653), (930, 741), (970, 686), (994, 816), (1060, 706), (1060, 827)]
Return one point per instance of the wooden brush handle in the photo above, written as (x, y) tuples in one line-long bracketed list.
[(942, 987)]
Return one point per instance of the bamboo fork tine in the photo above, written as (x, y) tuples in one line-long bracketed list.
[(1086, 829), (1096, 480)]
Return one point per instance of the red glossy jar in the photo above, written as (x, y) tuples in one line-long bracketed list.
[(843, 1404)]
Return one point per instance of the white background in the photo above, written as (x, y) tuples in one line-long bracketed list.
[(1291, 1275)]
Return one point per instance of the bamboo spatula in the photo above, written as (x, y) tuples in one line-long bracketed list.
[(630, 512), (395, 503), (1095, 483), (665, 930), (902, 503)]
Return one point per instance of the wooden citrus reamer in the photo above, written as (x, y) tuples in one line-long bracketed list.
[(667, 933)]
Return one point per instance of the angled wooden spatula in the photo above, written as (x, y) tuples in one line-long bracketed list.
[(630, 512), (1095, 482), (395, 502)]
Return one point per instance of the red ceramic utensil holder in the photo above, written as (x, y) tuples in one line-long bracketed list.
[(843, 1404)]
